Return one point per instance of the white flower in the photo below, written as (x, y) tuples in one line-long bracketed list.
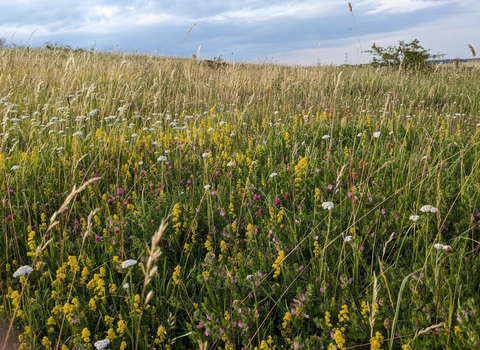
[(328, 205), (232, 134), (162, 159), (206, 187), (78, 133), (101, 344), (128, 263), (359, 134), (205, 155), (51, 132), (211, 129), (428, 208), (348, 238), (376, 134), (60, 149), (438, 246), (249, 277), (222, 123), (22, 270), (126, 285), (134, 135), (390, 133), (325, 137), (414, 217), (445, 247), (15, 167), (273, 174), (92, 113), (254, 162), (231, 164)]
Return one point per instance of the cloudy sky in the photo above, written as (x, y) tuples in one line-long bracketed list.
[(302, 32)]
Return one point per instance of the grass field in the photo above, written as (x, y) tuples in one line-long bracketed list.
[(302, 207)]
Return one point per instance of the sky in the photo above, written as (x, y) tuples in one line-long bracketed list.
[(301, 32)]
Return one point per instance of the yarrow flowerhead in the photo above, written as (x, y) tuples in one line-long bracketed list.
[(428, 208), (348, 239), (328, 205), (128, 263), (22, 270), (162, 159), (205, 155), (101, 344), (273, 175), (231, 164), (206, 187), (15, 167), (325, 137), (438, 246), (376, 134), (414, 217)]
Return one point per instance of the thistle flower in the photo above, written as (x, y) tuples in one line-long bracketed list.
[(22, 270), (128, 263), (328, 205), (101, 344)]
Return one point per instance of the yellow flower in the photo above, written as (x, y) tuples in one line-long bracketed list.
[(86, 335)]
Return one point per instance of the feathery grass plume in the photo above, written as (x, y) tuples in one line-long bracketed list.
[(472, 50), (358, 36), (148, 271), (432, 329), (373, 308)]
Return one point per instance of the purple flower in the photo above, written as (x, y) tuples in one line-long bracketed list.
[(119, 191), (277, 202), (329, 187), (287, 196), (98, 238), (199, 325), (207, 332), (256, 197)]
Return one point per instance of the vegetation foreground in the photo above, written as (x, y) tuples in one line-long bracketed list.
[(302, 207)]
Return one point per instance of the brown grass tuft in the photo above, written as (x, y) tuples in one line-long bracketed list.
[(471, 49)]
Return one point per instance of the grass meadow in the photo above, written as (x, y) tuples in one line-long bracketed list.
[(164, 203)]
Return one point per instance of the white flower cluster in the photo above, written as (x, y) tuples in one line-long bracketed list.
[(440, 246), (128, 263), (101, 344), (328, 205), (428, 209), (22, 270)]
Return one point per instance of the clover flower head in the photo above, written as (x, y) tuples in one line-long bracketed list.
[(128, 263), (328, 205), (22, 271), (101, 344)]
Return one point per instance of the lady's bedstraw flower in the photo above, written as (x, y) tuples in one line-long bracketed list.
[(376, 134), (328, 205), (414, 217), (22, 270), (428, 208), (101, 344), (128, 263)]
